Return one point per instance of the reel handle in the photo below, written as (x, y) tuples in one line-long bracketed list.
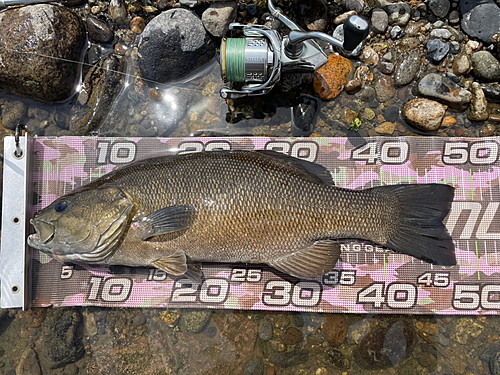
[(356, 29)]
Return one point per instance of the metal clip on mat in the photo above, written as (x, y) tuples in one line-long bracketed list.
[(16, 208)]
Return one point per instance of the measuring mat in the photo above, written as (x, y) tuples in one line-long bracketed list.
[(367, 279)]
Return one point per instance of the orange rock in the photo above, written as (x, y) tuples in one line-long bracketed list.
[(448, 121), (329, 80)]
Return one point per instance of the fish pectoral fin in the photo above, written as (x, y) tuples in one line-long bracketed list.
[(167, 220), (175, 264), (315, 260)]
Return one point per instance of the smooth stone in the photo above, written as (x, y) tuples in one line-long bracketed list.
[(462, 65), (406, 68), (482, 21), (356, 5), (489, 130), (329, 80), (486, 67), (494, 118), (492, 91), (454, 17), (12, 114), (335, 329), (440, 8), (424, 114), (379, 21), (98, 31), (137, 24), (369, 56), (312, 14), (42, 30), (399, 13), (366, 93), (266, 331), (478, 108), (352, 86), (173, 45), (304, 113), (437, 50), (384, 89), (386, 128), (440, 34), (217, 17), (28, 364), (386, 67), (118, 12), (444, 90)]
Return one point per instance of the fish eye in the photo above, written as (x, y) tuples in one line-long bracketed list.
[(61, 206)]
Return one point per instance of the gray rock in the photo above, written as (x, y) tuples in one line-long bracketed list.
[(492, 91), (440, 34), (172, 45), (454, 47), (98, 31), (62, 337), (482, 21), (379, 21), (478, 109), (437, 50), (396, 32), (28, 364), (217, 17), (356, 5), (486, 66), (424, 114), (407, 67), (12, 114), (444, 90), (454, 17), (254, 367), (399, 13), (440, 8), (41, 30), (265, 330), (195, 320)]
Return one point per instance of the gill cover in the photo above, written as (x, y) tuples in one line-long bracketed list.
[(82, 226)]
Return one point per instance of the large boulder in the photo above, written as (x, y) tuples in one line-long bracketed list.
[(173, 45), (40, 50)]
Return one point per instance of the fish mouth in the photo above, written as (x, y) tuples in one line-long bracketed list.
[(45, 232)]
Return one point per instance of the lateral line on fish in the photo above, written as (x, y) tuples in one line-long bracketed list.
[(163, 85)]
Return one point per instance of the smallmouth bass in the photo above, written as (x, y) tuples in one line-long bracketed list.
[(238, 207)]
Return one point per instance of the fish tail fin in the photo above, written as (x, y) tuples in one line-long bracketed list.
[(422, 233)]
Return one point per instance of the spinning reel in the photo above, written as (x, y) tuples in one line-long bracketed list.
[(258, 58)]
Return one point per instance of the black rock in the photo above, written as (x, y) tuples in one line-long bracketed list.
[(437, 50), (98, 31), (252, 10), (481, 21), (492, 91), (173, 45), (62, 337), (439, 7), (304, 113)]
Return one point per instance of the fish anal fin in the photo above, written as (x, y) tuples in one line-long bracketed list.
[(167, 220), (175, 264), (315, 260)]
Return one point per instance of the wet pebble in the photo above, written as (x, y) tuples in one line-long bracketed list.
[(28, 364), (265, 330), (12, 114), (406, 68), (492, 91), (486, 66), (478, 108), (424, 114), (195, 320), (352, 86), (399, 13), (444, 90), (440, 8), (437, 50), (448, 121), (462, 65), (384, 89), (335, 329), (396, 32), (487, 130), (137, 25), (293, 336), (118, 12), (366, 93), (356, 5), (254, 367), (369, 56), (386, 128), (379, 21), (386, 67), (98, 31), (494, 118), (443, 34)]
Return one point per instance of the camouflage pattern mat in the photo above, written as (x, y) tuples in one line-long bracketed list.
[(368, 279)]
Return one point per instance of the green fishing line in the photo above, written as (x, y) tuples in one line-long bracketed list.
[(235, 59)]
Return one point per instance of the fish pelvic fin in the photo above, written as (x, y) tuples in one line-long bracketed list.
[(178, 264), (315, 260), (422, 233)]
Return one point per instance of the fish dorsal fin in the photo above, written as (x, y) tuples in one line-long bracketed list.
[(175, 264), (167, 220), (310, 171), (315, 260)]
